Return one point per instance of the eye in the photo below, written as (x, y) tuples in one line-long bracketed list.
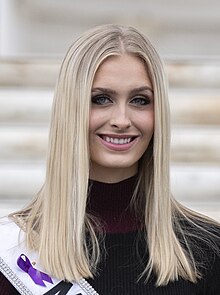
[(101, 99), (140, 101)]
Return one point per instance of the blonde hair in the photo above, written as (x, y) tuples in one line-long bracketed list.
[(56, 222)]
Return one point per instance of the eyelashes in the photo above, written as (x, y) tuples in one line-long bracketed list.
[(141, 101), (103, 99)]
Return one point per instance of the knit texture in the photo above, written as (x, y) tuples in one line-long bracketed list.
[(124, 251), (110, 203), (5, 287), (125, 254)]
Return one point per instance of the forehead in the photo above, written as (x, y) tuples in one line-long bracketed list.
[(125, 68)]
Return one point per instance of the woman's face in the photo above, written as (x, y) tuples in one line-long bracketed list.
[(121, 118)]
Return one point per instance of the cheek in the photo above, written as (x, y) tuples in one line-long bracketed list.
[(96, 120), (145, 123), (93, 120)]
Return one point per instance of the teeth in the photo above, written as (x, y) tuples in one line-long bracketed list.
[(117, 140)]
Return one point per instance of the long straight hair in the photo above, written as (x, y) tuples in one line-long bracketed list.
[(55, 221)]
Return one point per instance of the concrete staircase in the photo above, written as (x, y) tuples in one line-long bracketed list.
[(26, 93)]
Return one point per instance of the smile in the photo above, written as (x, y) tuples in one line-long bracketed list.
[(116, 140)]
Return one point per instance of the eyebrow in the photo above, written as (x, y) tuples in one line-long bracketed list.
[(113, 92), (105, 90)]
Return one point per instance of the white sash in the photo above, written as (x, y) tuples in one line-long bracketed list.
[(11, 247)]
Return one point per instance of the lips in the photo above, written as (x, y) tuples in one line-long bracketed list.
[(118, 142)]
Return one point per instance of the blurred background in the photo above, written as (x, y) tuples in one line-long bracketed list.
[(34, 36)]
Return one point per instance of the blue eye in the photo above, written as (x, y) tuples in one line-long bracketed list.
[(140, 101), (100, 99)]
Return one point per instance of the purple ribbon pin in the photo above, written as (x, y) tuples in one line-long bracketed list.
[(37, 276)]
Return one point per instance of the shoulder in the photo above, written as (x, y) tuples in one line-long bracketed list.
[(201, 239), (198, 229), (211, 273), (198, 233), (9, 234)]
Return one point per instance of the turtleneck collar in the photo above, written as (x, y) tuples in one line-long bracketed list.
[(110, 203)]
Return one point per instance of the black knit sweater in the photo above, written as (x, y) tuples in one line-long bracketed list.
[(125, 254)]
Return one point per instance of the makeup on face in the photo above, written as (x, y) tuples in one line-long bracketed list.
[(121, 117)]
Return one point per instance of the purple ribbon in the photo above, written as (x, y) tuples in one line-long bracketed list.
[(37, 276)]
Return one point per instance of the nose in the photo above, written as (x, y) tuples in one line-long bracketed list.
[(120, 119)]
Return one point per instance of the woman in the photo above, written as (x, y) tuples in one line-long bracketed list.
[(105, 220)]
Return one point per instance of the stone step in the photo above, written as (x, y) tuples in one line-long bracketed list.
[(21, 181), (25, 105), (192, 144), (195, 106), (26, 93), (193, 73), (189, 144), (190, 183), (47, 27), (10, 205), (196, 72), (211, 209), (22, 144), (29, 72), (33, 106), (196, 182)]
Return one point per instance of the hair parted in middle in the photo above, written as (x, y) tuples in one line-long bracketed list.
[(58, 213)]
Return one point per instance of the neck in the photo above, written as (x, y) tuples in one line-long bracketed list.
[(111, 204), (111, 174)]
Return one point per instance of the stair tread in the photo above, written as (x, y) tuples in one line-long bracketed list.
[(33, 106), (210, 209), (26, 94), (43, 72), (189, 182), (191, 144)]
